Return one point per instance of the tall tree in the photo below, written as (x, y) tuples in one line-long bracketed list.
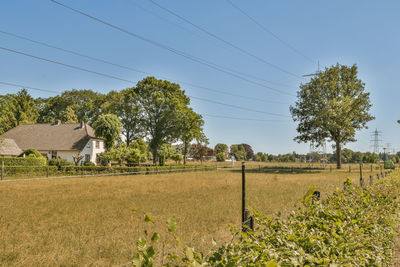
[(109, 127), (17, 109), (238, 152), (191, 127), (199, 151), (162, 104), (25, 109), (125, 106), (249, 151), (221, 148), (6, 113), (333, 105), (85, 103), (69, 115)]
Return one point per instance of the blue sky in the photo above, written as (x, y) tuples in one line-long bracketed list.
[(349, 32)]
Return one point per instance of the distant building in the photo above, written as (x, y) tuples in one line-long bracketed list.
[(58, 140), (8, 148)]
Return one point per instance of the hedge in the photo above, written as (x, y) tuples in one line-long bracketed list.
[(41, 171), (354, 226), (91, 170), (33, 171), (28, 161)]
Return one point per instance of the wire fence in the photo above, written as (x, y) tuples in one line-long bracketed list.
[(84, 174)]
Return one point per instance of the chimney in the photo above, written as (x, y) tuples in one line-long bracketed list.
[(82, 125), (57, 122)]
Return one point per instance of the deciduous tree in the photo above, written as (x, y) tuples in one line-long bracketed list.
[(109, 127), (333, 106), (162, 104), (221, 148)]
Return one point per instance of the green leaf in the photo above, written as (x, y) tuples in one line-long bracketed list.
[(171, 223), (180, 244), (141, 244), (155, 237), (133, 208), (271, 264), (147, 218), (189, 254), (150, 251)]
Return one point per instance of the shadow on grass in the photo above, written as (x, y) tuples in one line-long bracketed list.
[(280, 170)]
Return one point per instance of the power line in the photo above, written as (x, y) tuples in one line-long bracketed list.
[(66, 65), (223, 40), (133, 69), (175, 51), (270, 32), (242, 119), (28, 87), (202, 37), (194, 97), (237, 107)]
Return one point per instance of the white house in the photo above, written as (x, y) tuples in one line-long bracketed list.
[(58, 139)]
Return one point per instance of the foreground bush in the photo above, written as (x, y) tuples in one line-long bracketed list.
[(352, 227)]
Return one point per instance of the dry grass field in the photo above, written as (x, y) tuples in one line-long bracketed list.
[(88, 221)]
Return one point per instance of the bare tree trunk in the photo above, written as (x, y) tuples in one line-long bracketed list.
[(185, 145), (155, 156), (338, 155)]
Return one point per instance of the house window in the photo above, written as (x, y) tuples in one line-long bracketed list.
[(97, 144), (53, 154), (87, 158)]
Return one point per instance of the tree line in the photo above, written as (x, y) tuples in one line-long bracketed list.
[(154, 109)]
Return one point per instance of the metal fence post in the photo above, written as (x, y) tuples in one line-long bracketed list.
[(243, 194)]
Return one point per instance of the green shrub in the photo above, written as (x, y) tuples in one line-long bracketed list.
[(59, 162), (92, 170), (29, 161), (89, 164), (31, 171), (351, 227), (177, 158), (220, 157), (31, 152)]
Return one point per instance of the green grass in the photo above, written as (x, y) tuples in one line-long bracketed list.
[(88, 221)]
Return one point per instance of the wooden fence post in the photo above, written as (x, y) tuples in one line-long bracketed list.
[(2, 170), (349, 168), (371, 167), (371, 180), (47, 172), (361, 176)]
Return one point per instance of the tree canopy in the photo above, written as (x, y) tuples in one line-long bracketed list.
[(109, 127), (164, 110), (332, 106)]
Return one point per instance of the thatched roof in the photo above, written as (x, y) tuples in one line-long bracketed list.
[(8, 147), (69, 136)]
